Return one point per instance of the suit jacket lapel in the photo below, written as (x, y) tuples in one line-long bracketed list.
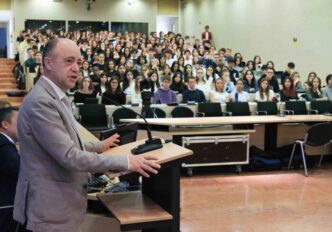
[(49, 89)]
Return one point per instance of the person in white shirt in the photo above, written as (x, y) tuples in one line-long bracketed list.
[(218, 94), (239, 95), (264, 93)]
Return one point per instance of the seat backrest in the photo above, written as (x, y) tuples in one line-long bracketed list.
[(238, 108), (212, 109), (319, 134), (91, 101), (182, 112), (93, 115), (127, 132), (269, 107), (321, 106), (155, 112), (120, 114), (299, 107)]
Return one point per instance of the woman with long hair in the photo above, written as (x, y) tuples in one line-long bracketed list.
[(177, 83), (113, 92), (264, 93), (219, 94), (288, 91), (314, 92), (250, 83), (85, 90)]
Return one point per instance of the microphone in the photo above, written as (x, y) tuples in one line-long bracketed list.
[(151, 143)]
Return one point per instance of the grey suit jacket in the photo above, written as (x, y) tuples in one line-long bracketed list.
[(51, 193)]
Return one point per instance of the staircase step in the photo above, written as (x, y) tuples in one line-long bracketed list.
[(7, 61), (11, 99), (7, 85), (10, 80), (6, 75), (3, 91)]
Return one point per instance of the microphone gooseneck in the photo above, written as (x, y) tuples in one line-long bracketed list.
[(151, 143)]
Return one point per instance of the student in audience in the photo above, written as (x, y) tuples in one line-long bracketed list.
[(85, 90), (30, 62), (289, 71), (288, 91), (257, 64), (175, 67), (250, 65), (95, 76), (201, 82), (219, 94), (206, 34), (166, 71), (101, 61), (210, 77), (239, 95), (9, 165), (121, 72), (314, 92), (234, 74), (228, 84), (270, 64), (181, 63), (250, 83), (272, 80), (85, 69), (311, 76), (113, 92), (264, 93), (154, 81), (192, 94), (165, 95), (128, 83), (177, 83), (188, 72), (295, 76), (136, 97), (239, 64), (110, 68), (102, 85), (40, 72), (327, 90)]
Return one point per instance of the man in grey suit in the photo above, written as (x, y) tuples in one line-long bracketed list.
[(51, 189)]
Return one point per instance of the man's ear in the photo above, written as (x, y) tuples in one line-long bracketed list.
[(48, 63), (4, 125)]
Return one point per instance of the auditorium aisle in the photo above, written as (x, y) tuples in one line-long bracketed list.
[(8, 82)]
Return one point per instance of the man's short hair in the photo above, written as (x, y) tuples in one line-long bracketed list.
[(328, 78), (51, 44), (291, 65), (6, 113)]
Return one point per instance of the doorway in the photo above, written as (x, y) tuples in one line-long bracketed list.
[(3, 41), (167, 23)]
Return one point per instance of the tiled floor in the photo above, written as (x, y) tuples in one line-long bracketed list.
[(256, 202)]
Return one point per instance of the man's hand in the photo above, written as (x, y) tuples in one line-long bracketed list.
[(143, 164), (110, 142)]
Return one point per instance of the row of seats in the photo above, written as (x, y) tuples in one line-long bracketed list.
[(96, 117)]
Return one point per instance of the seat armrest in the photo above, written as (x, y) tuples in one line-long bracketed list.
[(227, 113), (260, 112), (288, 112), (312, 111), (200, 114)]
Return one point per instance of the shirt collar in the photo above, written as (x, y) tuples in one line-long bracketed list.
[(9, 138), (59, 92)]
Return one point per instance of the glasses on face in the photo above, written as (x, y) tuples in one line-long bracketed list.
[(270, 72)]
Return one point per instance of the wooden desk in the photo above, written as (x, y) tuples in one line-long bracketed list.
[(270, 123)]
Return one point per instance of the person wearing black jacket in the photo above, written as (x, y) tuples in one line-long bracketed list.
[(274, 85), (9, 167), (177, 83), (113, 92)]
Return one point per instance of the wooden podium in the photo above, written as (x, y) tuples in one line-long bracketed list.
[(157, 206)]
